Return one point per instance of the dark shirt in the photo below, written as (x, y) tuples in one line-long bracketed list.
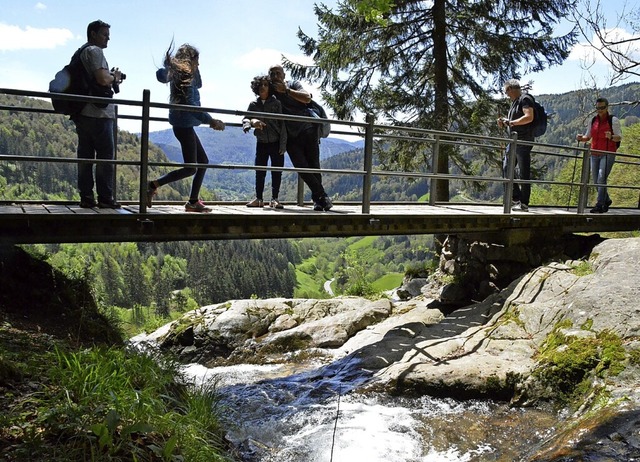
[(292, 106), (185, 119), (525, 132), (275, 130)]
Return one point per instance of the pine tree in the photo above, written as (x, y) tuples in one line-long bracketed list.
[(421, 64)]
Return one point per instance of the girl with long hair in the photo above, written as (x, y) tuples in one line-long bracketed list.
[(181, 72)]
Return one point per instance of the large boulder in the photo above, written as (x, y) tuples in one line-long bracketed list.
[(495, 348), (251, 330)]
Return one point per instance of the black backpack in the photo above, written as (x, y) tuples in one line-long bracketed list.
[(317, 111), (611, 125), (540, 118), (71, 79)]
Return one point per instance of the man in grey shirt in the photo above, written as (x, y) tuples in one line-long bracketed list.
[(95, 123)]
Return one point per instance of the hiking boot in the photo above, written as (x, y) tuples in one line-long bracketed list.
[(598, 209), (256, 203), (275, 204), (197, 207), (151, 191), (88, 203), (109, 204), (607, 204)]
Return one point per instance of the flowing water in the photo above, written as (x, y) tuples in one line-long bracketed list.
[(313, 413)]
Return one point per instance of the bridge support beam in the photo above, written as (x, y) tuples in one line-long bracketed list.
[(478, 265)]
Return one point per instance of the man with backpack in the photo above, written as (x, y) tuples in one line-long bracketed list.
[(95, 123), (520, 121), (604, 133)]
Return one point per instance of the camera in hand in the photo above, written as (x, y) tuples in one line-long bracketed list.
[(115, 85)]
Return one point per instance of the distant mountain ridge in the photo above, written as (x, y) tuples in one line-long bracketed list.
[(234, 146)]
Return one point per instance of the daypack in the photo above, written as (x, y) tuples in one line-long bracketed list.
[(74, 79), (611, 125), (317, 111), (540, 118)]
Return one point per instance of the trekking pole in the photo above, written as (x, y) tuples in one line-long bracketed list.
[(575, 162)]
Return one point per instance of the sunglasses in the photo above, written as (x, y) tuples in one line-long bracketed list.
[(601, 108)]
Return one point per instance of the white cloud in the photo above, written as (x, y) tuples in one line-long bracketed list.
[(629, 46), (14, 38), (261, 59), (40, 6)]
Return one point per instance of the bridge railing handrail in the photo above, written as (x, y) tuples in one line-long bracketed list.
[(368, 130)]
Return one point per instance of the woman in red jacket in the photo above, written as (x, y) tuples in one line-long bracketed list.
[(604, 133)]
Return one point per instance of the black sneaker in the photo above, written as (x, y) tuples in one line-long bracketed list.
[(323, 204), (88, 203), (598, 209), (110, 204), (607, 204)]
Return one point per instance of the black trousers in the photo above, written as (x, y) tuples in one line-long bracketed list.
[(264, 152), (304, 151), (192, 153)]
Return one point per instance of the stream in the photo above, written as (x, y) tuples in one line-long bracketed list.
[(314, 413)]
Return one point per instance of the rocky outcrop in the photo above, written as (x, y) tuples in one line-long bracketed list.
[(569, 329), (263, 330)]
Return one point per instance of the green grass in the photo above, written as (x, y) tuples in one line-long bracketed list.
[(142, 319), (109, 404), (308, 286), (364, 243), (389, 281)]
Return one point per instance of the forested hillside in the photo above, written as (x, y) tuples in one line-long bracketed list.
[(146, 274)]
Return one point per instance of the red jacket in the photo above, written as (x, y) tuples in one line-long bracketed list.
[(599, 141)]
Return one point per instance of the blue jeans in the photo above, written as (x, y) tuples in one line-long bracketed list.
[(95, 141), (600, 169), (521, 192)]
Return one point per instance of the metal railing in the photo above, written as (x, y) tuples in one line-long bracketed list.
[(433, 140)]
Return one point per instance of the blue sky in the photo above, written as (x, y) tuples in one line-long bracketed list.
[(236, 39)]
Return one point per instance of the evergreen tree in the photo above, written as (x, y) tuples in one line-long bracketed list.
[(421, 64)]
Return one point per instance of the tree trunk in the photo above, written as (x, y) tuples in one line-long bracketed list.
[(441, 85)]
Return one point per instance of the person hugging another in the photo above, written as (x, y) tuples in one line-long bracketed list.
[(181, 71), (271, 140), (303, 146)]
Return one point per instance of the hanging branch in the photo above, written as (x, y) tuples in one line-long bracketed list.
[(622, 53)]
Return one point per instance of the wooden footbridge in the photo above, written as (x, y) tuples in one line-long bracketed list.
[(39, 221), (58, 223)]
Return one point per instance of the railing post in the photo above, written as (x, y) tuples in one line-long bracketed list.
[(144, 151), (300, 194), (583, 198), (368, 164), (114, 183), (434, 169), (510, 173)]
